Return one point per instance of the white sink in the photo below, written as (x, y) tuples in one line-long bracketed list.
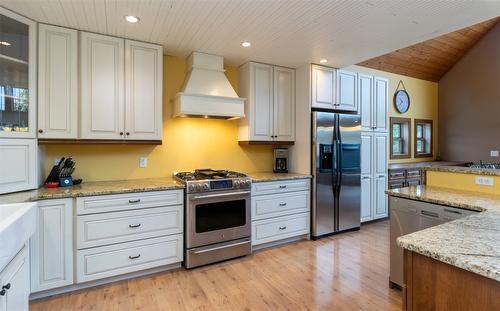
[(17, 225)]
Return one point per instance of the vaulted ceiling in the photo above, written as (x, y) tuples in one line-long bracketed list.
[(431, 59), (284, 32)]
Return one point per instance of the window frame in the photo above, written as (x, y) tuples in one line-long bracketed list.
[(405, 141), (429, 141)]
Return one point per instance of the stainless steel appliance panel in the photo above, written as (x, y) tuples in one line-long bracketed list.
[(204, 255), (349, 190), (324, 166)]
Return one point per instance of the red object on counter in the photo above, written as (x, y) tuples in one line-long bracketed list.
[(54, 184)]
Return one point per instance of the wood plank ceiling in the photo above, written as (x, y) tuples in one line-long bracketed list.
[(283, 32), (431, 59)]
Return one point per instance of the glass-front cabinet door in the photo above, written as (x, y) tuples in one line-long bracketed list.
[(17, 75)]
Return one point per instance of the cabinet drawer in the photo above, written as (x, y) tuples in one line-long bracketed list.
[(413, 181), (395, 184), (109, 228), (272, 187), (396, 174), (121, 202), (413, 173), (102, 262), (282, 204), (269, 230)]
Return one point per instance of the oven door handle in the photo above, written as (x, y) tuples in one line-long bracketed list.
[(220, 247), (219, 195)]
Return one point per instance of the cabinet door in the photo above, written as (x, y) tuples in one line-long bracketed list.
[(284, 104), (365, 99), (366, 198), (18, 165), (144, 73), (18, 76), (366, 153), (102, 90), (261, 102), (52, 246), (323, 87), (381, 102), (346, 91), (380, 198), (16, 276), (380, 153), (57, 82)]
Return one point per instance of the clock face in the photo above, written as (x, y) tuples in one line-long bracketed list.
[(401, 101)]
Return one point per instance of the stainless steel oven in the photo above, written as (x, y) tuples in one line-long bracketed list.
[(218, 223)]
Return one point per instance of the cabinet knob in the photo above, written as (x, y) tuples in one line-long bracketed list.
[(6, 286), (128, 133), (40, 131), (3, 292), (121, 133)]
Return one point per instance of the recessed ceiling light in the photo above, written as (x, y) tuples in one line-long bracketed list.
[(246, 44), (5, 43), (132, 19), (323, 61)]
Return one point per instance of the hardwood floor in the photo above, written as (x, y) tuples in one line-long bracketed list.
[(349, 271)]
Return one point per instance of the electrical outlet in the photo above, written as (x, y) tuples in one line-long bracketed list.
[(484, 181), (494, 153), (143, 162)]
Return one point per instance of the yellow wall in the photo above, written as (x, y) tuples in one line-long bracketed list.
[(461, 182), (423, 103), (187, 143)]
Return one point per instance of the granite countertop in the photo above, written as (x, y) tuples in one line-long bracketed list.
[(395, 166), (94, 188), (464, 170), (270, 176), (471, 243)]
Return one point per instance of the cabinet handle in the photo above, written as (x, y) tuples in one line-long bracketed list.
[(128, 133), (3, 292), (6, 286), (134, 201), (40, 131), (365, 177), (431, 214), (452, 211), (121, 133), (283, 204), (282, 228), (282, 186), (134, 226), (134, 257)]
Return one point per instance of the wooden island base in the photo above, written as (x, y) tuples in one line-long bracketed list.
[(433, 285)]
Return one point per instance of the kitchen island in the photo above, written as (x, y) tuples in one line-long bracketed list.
[(455, 265)]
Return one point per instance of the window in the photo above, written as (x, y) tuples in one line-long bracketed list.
[(20, 99), (400, 138), (423, 138)]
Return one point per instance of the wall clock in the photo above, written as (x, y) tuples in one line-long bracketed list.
[(401, 99)]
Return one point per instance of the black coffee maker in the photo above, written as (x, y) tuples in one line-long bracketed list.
[(280, 160)]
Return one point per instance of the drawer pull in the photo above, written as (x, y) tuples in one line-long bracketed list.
[(134, 201), (134, 226), (282, 228), (282, 186), (452, 211), (431, 214), (283, 204), (134, 257)]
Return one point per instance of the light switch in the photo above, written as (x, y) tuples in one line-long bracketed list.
[(494, 153), (484, 181), (143, 162)]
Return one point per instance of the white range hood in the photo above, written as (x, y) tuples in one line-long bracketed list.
[(207, 92)]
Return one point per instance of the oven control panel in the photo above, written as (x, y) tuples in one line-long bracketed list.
[(215, 185)]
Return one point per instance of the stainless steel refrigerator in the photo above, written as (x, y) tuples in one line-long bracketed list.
[(336, 169)]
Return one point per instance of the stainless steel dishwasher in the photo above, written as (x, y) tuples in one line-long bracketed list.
[(408, 216)]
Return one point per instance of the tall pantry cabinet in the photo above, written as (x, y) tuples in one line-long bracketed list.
[(373, 101)]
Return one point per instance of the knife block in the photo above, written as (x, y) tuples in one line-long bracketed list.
[(65, 181)]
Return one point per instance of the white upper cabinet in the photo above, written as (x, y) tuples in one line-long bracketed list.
[(18, 76), (18, 165), (270, 106), (366, 153), (347, 97), (144, 96), (57, 82), (365, 100), (102, 86), (323, 87), (381, 102), (284, 104)]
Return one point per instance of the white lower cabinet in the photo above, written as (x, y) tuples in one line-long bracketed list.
[(52, 246), (15, 283), (280, 210), (107, 261)]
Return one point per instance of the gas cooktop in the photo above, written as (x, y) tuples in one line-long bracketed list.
[(206, 180)]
